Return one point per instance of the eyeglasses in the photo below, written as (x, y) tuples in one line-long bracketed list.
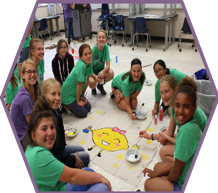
[(159, 70), (29, 72), (63, 48)]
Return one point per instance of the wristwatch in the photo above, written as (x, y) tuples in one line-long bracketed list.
[(152, 137)]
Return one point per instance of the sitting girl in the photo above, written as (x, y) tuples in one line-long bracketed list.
[(127, 86), (23, 102), (49, 173), (63, 62), (168, 86), (161, 70), (170, 176), (71, 155), (74, 87)]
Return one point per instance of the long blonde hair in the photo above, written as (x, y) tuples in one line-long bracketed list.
[(32, 45), (47, 84)]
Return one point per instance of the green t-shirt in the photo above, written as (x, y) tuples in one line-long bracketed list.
[(99, 58), (125, 86), (80, 73), (199, 115), (187, 140), (176, 74), (45, 168), (27, 42), (11, 93)]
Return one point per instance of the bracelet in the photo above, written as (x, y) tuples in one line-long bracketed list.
[(152, 137)]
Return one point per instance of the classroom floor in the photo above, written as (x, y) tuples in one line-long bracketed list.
[(187, 61)]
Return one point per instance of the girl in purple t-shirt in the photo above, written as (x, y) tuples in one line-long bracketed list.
[(23, 102)]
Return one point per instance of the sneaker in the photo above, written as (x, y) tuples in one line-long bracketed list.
[(101, 89), (94, 92)]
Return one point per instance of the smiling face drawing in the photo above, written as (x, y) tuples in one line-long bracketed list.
[(110, 139)]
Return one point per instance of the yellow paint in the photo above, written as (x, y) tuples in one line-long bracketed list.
[(98, 112), (71, 133), (134, 136), (109, 140), (120, 156), (149, 142), (115, 165), (82, 142), (144, 157), (130, 167), (91, 117), (135, 146), (150, 129)]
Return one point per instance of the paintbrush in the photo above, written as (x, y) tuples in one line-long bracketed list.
[(145, 113), (146, 129), (142, 105), (136, 153), (146, 65)]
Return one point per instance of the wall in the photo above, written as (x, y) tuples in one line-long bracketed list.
[(157, 28)]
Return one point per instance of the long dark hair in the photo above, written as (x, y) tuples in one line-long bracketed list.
[(41, 110)]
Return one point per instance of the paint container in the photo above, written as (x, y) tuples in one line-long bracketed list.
[(116, 59), (161, 114), (155, 119), (72, 51), (102, 81)]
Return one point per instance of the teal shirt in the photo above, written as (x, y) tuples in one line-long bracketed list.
[(199, 115), (99, 58), (125, 86), (187, 140), (176, 74), (45, 168), (11, 93), (27, 42), (80, 73)]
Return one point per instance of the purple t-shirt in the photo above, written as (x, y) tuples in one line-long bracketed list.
[(68, 12), (21, 107)]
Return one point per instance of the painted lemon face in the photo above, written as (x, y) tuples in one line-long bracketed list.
[(109, 140)]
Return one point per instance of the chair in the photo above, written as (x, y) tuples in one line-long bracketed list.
[(107, 20), (141, 29), (119, 26), (43, 27), (185, 30)]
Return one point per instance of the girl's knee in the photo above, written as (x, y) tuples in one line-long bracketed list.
[(147, 184)]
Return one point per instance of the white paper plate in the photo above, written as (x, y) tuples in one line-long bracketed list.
[(163, 128), (130, 155), (140, 114), (72, 132), (148, 82), (66, 127)]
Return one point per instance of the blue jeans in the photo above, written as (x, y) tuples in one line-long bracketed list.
[(23, 55), (72, 149), (70, 29), (90, 187), (176, 187), (79, 111)]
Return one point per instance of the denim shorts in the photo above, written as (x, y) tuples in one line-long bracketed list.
[(23, 55), (176, 187)]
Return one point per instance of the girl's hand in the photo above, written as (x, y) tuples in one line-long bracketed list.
[(106, 182), (144, 134), (164, 177), (163, 138), (81, 103), (79, 163), (98, 79), (83, 99), (154, 112), (150, 173), (133, 116), (100, 75)]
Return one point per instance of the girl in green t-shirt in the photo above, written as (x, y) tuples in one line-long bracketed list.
[(100, 56), (168, 85), (49, 173), (127, 86), (161, 70), (170, 176), (36, 54), (11, 90), (74, 87)]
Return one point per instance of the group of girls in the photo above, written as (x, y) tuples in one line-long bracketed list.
[(36, 107), (178, 149)]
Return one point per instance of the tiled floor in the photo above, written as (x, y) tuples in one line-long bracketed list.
[(187, 61)]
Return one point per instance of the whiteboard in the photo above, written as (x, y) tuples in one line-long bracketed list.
[(126, 6)]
